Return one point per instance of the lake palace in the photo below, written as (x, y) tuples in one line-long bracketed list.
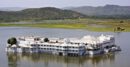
[(87, 45)]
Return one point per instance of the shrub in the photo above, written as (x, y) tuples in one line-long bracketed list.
[(12, 41)]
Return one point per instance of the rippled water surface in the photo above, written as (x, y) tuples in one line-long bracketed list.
[(120, 59)]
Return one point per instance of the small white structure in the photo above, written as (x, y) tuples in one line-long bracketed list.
[(64, 46)]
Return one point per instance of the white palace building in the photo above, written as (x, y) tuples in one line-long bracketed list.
[(88, 45)]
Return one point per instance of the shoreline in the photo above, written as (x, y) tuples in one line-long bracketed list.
[(67, 26), (98, 25)]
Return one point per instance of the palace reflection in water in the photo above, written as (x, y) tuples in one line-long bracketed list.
[(45, 60)]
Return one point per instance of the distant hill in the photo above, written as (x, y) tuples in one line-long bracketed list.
[(11, 8), (38, 14), (112, 11)]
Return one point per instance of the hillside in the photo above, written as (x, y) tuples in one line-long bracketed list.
[(11, 8), (38, 14), (107, 11)]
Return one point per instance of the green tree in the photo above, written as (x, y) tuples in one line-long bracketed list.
[(122, 21), (12, 41), (46, 40)]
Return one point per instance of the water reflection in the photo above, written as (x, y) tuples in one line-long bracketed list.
[(64, 61), (12, 60)]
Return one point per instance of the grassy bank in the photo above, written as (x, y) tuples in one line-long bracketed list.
[(45, 25), (103, 25)]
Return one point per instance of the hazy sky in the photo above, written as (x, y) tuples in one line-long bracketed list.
[(60, 3)]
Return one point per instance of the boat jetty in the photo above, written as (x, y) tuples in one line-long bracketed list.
[(87, 45)]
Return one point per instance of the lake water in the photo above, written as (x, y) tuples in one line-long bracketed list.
[(119, 59)]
